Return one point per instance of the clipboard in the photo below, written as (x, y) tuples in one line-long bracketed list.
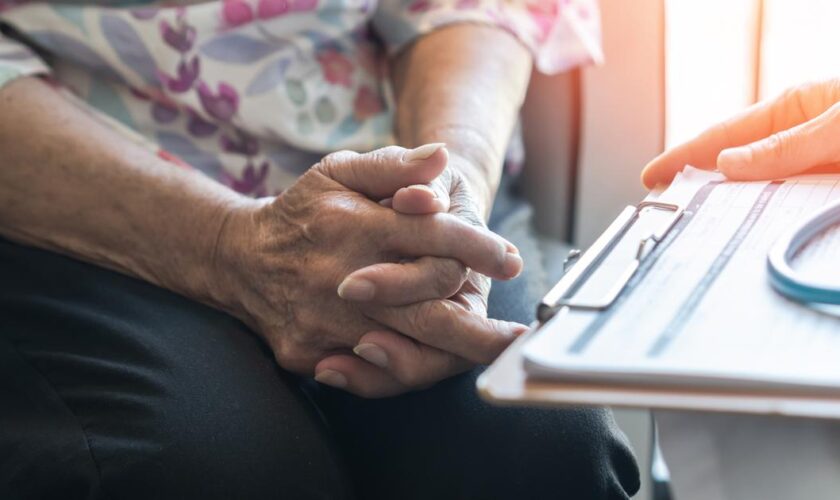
[(506, 382)]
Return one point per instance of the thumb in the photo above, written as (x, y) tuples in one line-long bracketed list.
[(788, 152), (379, 174)]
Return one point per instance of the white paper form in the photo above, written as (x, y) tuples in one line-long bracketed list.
[(700, 311)]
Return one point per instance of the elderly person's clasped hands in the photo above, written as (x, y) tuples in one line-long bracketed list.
[(370, 273)]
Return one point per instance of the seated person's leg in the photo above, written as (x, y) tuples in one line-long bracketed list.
[(110, 387), (447, 443)]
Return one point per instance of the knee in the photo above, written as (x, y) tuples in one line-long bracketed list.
[(577, 452), (223, 422), (231, 451)]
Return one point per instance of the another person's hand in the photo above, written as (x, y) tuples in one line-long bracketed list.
[(281, 260), (392, 362), (794, 133)]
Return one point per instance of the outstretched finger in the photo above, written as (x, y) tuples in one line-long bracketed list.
[(757, 122), (412, 363), (404, 283), (788, 152), (450, 236), (450, 327), (379, 174)]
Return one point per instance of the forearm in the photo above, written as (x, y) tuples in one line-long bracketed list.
[(463, 85), (72, 185)]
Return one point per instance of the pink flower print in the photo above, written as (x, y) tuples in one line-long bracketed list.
[(236, 12), (187, 73), (544, 16), (304, 5), (252, 181), (336, 67), (366, 104), (180, 38), (240, 144), (419, 6), (221, 105), (266, 9), (466, 4), (198, 126)]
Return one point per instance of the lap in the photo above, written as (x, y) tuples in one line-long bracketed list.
[(116, 388), (113, 387)]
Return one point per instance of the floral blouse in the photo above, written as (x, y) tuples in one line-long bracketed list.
[(253, 92)]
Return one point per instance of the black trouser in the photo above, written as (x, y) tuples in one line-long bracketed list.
[(114, 388)]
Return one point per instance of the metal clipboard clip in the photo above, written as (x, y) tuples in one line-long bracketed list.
[(582, 267)]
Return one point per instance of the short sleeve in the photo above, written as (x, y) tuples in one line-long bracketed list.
[(17, 60), (561, 34)]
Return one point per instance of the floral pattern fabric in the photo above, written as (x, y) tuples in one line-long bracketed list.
[(253, 92)]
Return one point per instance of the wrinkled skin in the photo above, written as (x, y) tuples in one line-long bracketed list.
[(283, 260)]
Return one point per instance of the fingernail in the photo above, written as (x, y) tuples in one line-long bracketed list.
[(735, 157), (519, 329), (373, 354), (423, 189), (332, 378), (356, 289), (387, 202), (513, 265), (423, 152)]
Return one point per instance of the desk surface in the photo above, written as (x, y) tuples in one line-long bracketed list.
[(505, 383)]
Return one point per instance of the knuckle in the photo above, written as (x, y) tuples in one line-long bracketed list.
[(332, 215), (389, 152), (421, 317), (376, 157), (336, 164), (794, 93), (337, 158), (447, 179), (780, 145), (425, 317), (449, 277), (307, 322), (293, 357), (463, 204), (390, 229)]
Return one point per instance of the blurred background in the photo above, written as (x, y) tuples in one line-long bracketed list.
[(673, 67)]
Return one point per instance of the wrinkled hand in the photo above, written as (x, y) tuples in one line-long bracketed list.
[(280, 261), (391, 362), (791, 134)]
